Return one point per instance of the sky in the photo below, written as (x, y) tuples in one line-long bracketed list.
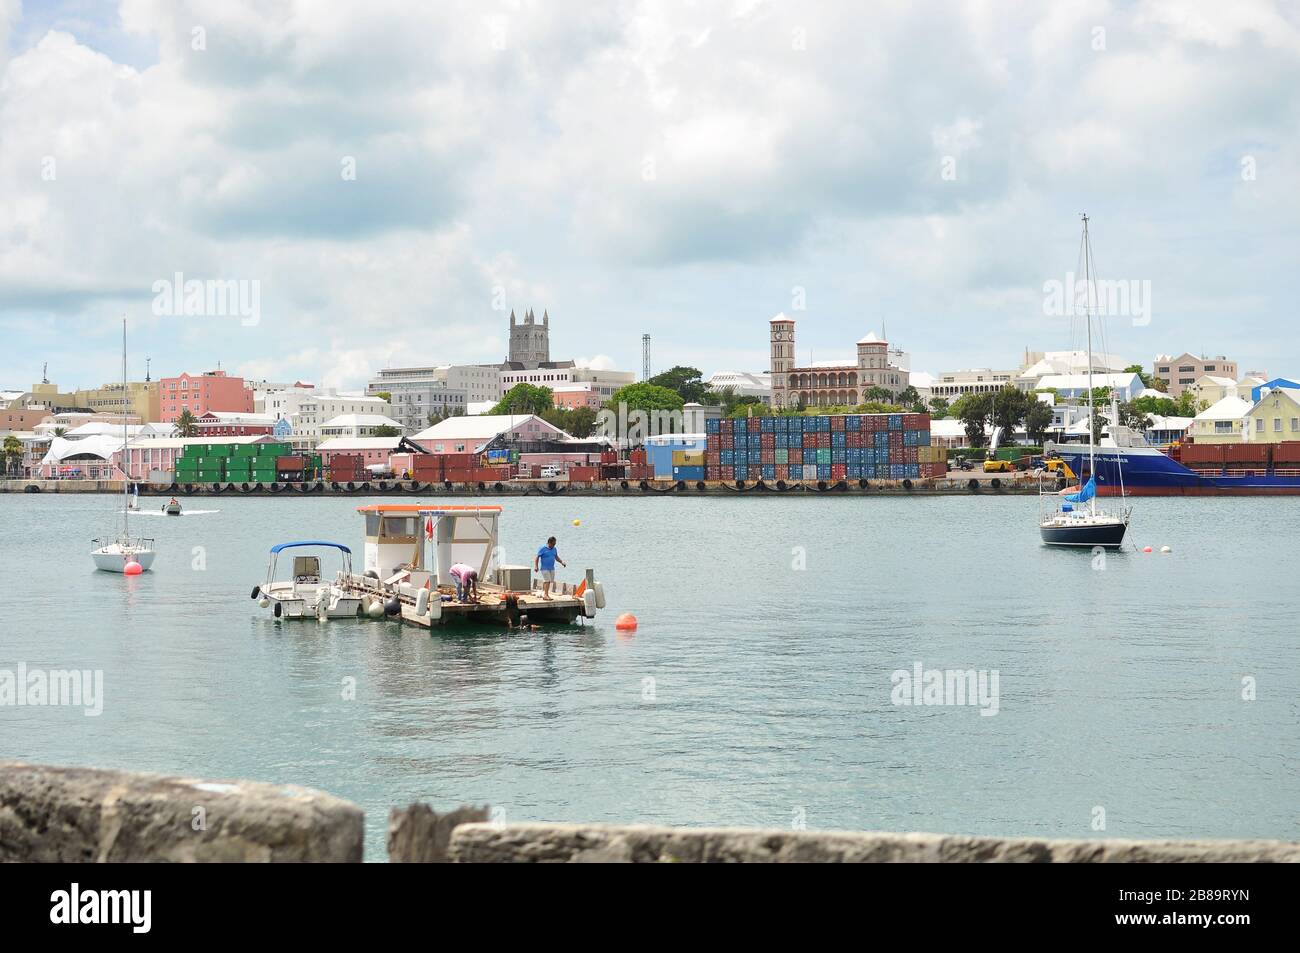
[(384, 183)]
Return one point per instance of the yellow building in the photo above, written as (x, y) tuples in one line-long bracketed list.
[(1275, 417), (142, 399)]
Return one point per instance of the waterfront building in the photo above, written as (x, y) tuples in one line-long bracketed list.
[(1211, 390), (200, 393), (1223, 422), (1275, 416), (829, 383), (557, 373), (1161, 431), (1181, 372), (1040, 364), (472, 434)]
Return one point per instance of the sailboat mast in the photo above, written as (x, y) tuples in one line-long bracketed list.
[(1087, 316), (126, 487)]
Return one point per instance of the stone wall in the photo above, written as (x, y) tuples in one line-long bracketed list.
[(595, 843), (88, 815)]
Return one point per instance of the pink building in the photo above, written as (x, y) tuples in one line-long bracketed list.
[(572, 396), (201, 393)]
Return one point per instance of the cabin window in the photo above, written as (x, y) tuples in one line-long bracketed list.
[(398, 526), (372, 524)]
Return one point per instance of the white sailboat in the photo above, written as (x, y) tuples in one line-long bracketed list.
[(1076, 520), (123, 553)]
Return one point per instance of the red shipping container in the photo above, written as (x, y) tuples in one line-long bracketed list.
[(1287, 452), (782, 472), (794, 457), (838, 471), (728, 473), (456, 476), (289, 463), (583, 474), (837, 423), (823, 441), (767, 456), (1252, 453), (767, 440)]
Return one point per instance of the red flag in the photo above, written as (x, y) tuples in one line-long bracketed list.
[(428, 527)]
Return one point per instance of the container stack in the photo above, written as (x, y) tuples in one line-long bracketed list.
[(1246, 456), (823, 448), (639, 467), (230, 463), (1202, 456), (689, 465), (458, 467), (1286, 455), (347, 468)]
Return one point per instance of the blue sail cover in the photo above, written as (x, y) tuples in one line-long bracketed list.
[(1084, 495)]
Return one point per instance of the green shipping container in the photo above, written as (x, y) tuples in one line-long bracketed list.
[(782, 456)]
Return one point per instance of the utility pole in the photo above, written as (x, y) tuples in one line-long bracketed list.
[(645, 357)]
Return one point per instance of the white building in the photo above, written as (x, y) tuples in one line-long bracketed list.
[(420, 392), (979, 380), (471, 434), (1040, 364), (354, 426), (315, 410), (1123, 386), (744, 383), (603, 382)]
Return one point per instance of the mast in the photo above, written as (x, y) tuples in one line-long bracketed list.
[(1087, 316), (126, 481)]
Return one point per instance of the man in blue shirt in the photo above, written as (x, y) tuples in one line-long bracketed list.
[(545, 562)]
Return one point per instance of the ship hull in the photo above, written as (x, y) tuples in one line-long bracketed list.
[(1146, 471)]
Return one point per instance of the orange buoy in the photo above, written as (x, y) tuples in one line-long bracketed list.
[(1146, 549), (626, 622), (132, 568)]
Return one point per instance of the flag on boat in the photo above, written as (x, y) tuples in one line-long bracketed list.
[(1087, 493), (428, 527)]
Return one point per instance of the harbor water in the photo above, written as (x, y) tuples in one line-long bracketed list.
[(1137, 694)]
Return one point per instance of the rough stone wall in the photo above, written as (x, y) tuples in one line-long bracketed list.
[(578, 843), (51, 815)]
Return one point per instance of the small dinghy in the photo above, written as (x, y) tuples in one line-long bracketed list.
[(172, 507)]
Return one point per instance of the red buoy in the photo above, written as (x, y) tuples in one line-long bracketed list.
[(132, 568), (626, 622)]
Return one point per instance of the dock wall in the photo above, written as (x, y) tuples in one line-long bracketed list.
[(81, 815), (963, 486)]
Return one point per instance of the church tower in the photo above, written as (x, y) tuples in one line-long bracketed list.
[(782, 360), (530, 341)]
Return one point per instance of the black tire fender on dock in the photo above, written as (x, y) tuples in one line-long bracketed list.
[(972, 484), (189, 489), (243, 488), (497, 487), (622, 484), (740, 484), (781, 486), (864, 484), (907, 484), (699, 485), (995, 483), (216, 487), (551, 486), (645, 486), (821, 486), (680, 486)]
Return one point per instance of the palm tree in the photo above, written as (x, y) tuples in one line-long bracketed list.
[(13, 451), (185, 424), (60, 431)]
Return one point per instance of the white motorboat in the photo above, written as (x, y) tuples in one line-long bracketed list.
[(123, 552), (306, 594), (172, 507)]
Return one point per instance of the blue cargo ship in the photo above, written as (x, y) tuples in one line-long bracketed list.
[(1149, 471)]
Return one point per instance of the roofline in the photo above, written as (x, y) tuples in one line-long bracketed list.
[(429, 508)]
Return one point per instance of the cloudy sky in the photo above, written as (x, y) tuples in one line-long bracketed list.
[(392, 180)]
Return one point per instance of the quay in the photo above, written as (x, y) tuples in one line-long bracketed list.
[(966, 484)]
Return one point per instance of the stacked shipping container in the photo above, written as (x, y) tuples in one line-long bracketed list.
[(823, 448)]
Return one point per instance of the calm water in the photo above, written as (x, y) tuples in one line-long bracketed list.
[(771, 686)]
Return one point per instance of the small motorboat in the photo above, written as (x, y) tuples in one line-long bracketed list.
[(172, 507), (307, 595)]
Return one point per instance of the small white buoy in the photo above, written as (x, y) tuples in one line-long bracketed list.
[(1166, 549), (375, 610), (264, 602)]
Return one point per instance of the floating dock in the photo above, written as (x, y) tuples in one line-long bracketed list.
[(410, 549)]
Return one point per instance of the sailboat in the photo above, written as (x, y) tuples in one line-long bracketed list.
[(1075, 519), (123, 553)]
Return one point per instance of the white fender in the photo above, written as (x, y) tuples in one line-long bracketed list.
[(435, 609), (422, 602), (589, 604), (600, 595)]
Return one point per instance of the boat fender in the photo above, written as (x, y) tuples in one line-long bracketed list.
[(264, 602), (589, 603), (322, 609), (374, 609), (422, 602), (393, 606), (600, 595), (279, 608), (622, 484), (256, 591), (435, 609)]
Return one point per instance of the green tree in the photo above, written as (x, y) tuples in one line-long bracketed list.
[(60, 431), (974, 411), (877, 395), (13, 450), (1133, 417), (384, 430), (384, 396), (1008, 410), (687, 382), (186, 425), (939, 407), (525, 398), (578, 422), (645, 396), (1038, 417)]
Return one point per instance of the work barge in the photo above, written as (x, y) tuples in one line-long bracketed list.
[(410, 549)]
